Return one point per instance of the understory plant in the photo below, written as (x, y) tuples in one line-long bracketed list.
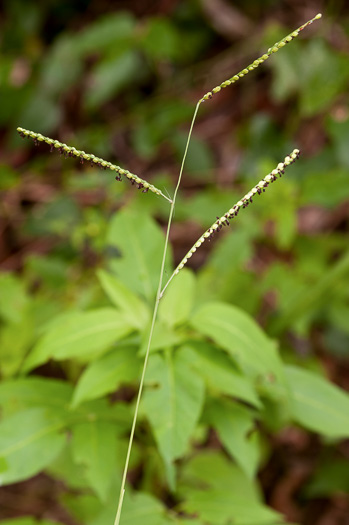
[(206, 365)]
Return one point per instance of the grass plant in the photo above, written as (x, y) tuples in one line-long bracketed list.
[(217, 225)]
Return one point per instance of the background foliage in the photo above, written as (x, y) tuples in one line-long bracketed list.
[(238, 422)]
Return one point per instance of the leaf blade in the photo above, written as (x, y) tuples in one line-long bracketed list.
[(317, 404), (29, 441)]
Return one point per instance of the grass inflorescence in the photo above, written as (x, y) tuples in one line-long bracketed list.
[(233, 212), (70, 151), (273, 49), (260, 187)]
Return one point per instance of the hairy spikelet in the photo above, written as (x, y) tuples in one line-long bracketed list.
[(69, 151), (260, 60), (233, 212)]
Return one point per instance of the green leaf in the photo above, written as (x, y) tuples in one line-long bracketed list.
[(219, 372), (14, 299), (324, 76), (105, 33), (177, 303), (163, 337), (41, 112), (330, 478), (222, 507), (317, 404), (142, 509), (15, 341), (136, 312), (140, 243), (110, 76), (138, 509), (172, 402), (306, 299), (234, 424), (18, 394), (339, 131), (161, 39), (241, 337), (29, 441), (226, 493), (79, 335), (94, 445), (198, 472), (107, 374)]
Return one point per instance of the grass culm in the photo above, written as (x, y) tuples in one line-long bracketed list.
[(143, 185)]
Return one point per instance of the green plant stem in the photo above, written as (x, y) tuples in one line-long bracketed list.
[(216, 226), (156, 306)]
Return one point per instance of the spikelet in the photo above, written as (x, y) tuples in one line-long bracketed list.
[(233, 212), (69, 151), (260, 60)]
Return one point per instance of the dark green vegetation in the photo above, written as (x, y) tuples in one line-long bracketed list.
[(239, 423)]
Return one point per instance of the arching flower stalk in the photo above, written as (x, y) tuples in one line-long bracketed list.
[(233, 212), (69, 151), (273, 49)]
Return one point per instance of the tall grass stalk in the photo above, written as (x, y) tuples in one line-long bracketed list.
[(155, 311), (215, 227), (145, 186)]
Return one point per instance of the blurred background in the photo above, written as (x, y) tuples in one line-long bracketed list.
[(120, 79)]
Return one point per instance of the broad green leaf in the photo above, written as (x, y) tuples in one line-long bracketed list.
[(140, 243), (226, 494), (307, 298), (68, 471), (177, 303), (94, 446), (18, 394), (14, 299), (222, 507), (161, 39), (112, 75), (84, 506), (29, 441), (339, 131), (219, 373), (241, 337), (187, 522), (136, 312), (142, 509), (172, 402), (105, 33), (107, 374), (15, 341), (163, 337), (235, 424), (79, 335), (331, 477), (198, 472), (320, 85), (317, 404), (138, 509)]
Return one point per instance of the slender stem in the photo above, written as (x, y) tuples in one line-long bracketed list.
[(156, 306)]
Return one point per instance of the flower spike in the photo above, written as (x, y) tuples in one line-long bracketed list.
[(233, 212), (260, 60), (69, 151)]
